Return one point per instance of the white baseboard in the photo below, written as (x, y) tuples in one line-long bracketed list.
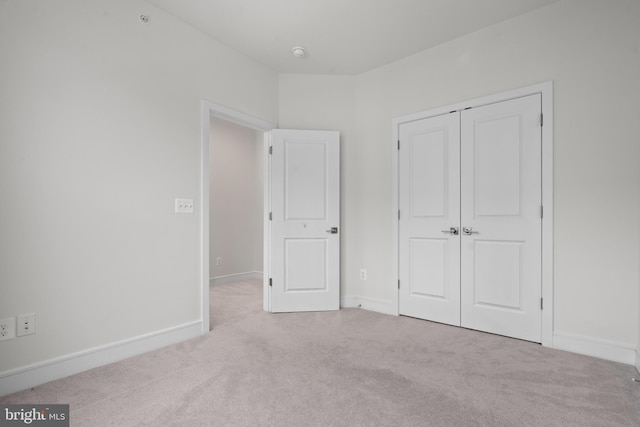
[(371, 304), (589, 346), (603, 349), (238, 277), (60, 367)]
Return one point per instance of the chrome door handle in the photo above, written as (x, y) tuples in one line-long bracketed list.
[(451, 230), (468, 231), (333, 230)]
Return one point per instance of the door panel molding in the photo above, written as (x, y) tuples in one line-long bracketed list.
[(545, 89)]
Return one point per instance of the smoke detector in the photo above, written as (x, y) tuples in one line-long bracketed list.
[(298, 51)]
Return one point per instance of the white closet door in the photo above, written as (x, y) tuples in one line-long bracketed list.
[(305, 203), (429, 255), (500, 209)]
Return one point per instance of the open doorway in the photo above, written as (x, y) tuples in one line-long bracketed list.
[(232, 196), (235, 203), (236, 188)]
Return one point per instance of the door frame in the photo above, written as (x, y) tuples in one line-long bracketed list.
[(545, 89), (208, 109)]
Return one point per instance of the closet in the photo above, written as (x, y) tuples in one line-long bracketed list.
[(470, 218)]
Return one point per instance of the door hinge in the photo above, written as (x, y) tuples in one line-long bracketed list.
[(398, 214), (541, 211), (398, 144), (270, 216), (541, 119), (398, 283), (270, 282), (541, 304), (271, 149)]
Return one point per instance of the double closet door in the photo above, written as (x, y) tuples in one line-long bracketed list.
[(470, 218)]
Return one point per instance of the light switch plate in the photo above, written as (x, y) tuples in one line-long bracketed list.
[(184, 206)]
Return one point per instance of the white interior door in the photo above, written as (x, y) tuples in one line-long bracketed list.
[(305, 225), (429, 252), (501, 197)]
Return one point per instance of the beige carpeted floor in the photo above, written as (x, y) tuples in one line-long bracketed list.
[(346, 368)]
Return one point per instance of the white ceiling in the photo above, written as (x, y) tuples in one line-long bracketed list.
[(340, 36)]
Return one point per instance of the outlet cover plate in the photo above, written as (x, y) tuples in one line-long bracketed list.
[(7, 328), (26, 324)]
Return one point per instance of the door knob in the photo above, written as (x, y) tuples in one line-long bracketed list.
[(468, 231), (333, 230), (451, 230)]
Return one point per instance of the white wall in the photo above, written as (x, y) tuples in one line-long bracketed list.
[(236, 199), (258, 252), (99, 132), (322, 102), (590, 49)]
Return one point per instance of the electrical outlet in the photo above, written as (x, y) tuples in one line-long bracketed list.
[(7, 328), (219, 260), (184, 206), (26, 324), (363, 274)]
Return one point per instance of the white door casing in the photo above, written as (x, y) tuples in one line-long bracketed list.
[(501, 205), (429, 193), (305, 225)]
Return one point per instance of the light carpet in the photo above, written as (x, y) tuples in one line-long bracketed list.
[(346, 368)]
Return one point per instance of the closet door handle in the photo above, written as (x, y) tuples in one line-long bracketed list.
[(452, 230), (468, 231)]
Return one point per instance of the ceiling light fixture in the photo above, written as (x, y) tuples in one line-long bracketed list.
[(298, 51)]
